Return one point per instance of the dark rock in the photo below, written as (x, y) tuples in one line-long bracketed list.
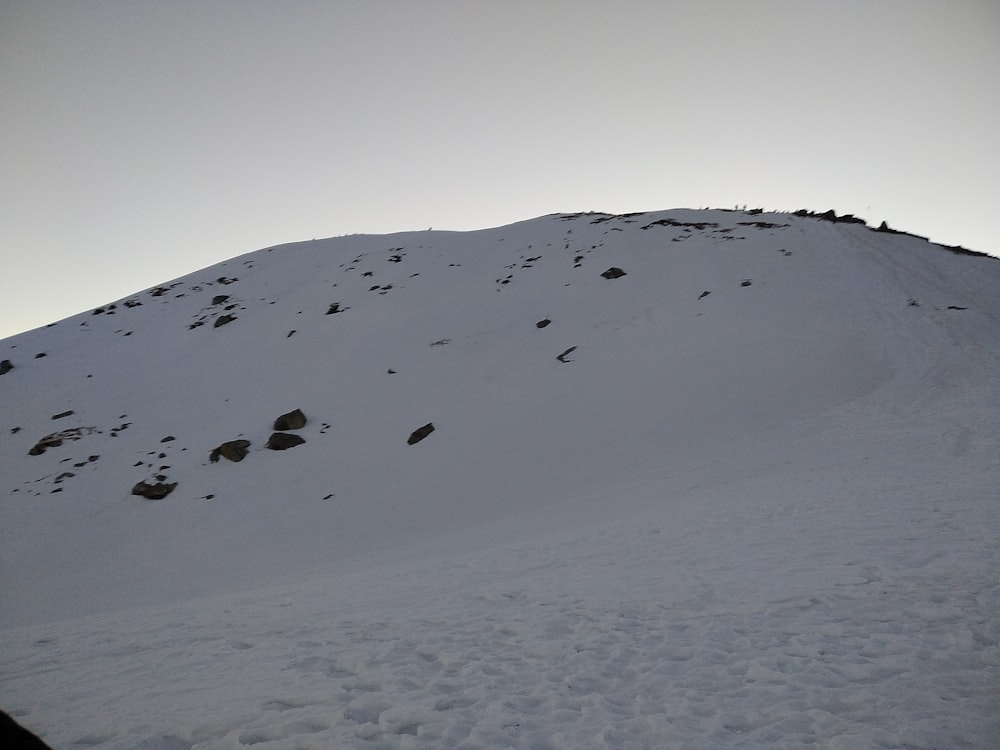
[(218, 299), (704, 294), (293, 420), (542, 323), (57, 438), (613, 273), (850, 219), (762, 224), (699, 225), (13, 735), (62, 414), (5, 367), (562, 357), (334, 308), (830, 215), (233, 450), (280, 441), (40, 355), (156, 491), (746, 282), (959, 250), (420, 433), (222, 320), (168, 439)]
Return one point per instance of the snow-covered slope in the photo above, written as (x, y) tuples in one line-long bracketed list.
[(743, 494)]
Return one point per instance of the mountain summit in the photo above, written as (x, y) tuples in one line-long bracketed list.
[(695, 478)]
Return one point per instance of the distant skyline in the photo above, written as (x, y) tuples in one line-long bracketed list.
[(141, 141)]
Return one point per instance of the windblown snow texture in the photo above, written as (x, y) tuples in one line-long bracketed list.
[(675, 479)]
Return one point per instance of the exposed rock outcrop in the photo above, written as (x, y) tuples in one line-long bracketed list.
[(156, 491), (280, 441), (232, 450), (13, 735), (613, 273), (51, 441), (56, 439), (562, 357), (293, 420), (420, 433)]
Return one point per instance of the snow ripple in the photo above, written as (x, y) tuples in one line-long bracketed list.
[(875, 664)]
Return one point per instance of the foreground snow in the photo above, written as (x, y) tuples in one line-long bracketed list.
[(735, 521), (781, 611), (848, 603)]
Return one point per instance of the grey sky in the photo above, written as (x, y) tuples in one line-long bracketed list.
[(143, 140)]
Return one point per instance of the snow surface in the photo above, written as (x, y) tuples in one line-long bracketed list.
[(762, 517)]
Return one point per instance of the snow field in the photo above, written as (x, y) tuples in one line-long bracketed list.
[(766, 517), (786, 623)]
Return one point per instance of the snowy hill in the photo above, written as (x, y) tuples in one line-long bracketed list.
[(695, 479)]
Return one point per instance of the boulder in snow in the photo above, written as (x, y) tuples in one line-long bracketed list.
[(156, 491), (293, 420), (280, 441), (232, 450), (420, 433)]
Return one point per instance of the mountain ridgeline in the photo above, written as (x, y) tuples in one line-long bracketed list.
[(321, 403)]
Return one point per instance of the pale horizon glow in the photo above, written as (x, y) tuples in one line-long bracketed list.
[(141, 142)]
